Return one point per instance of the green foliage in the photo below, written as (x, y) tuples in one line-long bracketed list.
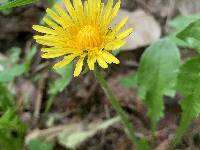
[(60, 84), (157, 76), (143, 145), (11, 69), (6, 98), (12, 131), (10, 73), (15, 3), (189, 86), (130, 81), (36, 144), (181, 22), (191, 34), (29, 58)]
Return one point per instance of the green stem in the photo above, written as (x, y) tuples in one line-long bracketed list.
[(116, 105), (49, 103)]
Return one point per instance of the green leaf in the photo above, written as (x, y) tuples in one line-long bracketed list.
[(181, 22), (191, 34), (189, 86), (60, 84), (143, 145), (173, 37), (15, 3), (29, 58), (12, 131), (14, 55), (10, 73), (36, 144), (130, 81), (157, 76), (6, 98)]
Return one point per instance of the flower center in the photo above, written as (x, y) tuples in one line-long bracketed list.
[(88, 37)]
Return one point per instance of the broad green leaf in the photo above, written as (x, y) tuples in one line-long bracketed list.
[(15, 3), (191, 34), (36, 144), (8, 74), (12, 131), (189, 86), (181, 22), (157, 76)]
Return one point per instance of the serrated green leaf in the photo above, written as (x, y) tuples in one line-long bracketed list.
[(181, 22), (12, 131), (157, 76), (191, 34), (173, 37), (6, 98), (189, 86), (36, 144), (15, 3)]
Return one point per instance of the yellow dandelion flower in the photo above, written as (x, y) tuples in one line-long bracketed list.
[(82, 32)]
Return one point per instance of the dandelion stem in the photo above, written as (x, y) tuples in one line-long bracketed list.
[(116, 105)]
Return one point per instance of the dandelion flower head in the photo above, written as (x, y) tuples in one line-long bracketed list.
[(82, 32)]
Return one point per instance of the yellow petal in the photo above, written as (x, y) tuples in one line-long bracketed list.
[(111, 15), (120, 25), (54, 16), (50, 23), (124, 34), (65, 17), (91, 61), (114, 45), (102, 62), (70, 8), (79, 66), (78, 6), (65, 61), (115, 9), (43, 29), (109, 58), (50, 40), (108, 9)]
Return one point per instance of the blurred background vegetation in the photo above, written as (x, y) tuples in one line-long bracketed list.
[(44, 109)]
